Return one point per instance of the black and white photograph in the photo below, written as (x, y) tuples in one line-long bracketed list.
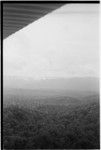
[(51, 75)]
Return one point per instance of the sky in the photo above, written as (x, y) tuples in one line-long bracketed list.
[(62, 44)]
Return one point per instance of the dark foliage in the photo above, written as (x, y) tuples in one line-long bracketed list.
[(52, 127)]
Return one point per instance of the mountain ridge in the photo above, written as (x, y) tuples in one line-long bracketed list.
[(77, 83)]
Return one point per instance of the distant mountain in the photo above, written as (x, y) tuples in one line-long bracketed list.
[(51, 92), (90, 84)]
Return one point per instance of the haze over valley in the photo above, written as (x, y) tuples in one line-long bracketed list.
[(51, 82)]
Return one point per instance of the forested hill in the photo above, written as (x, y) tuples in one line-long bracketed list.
[(73, 126)]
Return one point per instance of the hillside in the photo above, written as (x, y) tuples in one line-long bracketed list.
[(52, 126), (49, 116)]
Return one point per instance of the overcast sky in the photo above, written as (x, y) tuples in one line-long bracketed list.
[(62, 44)]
